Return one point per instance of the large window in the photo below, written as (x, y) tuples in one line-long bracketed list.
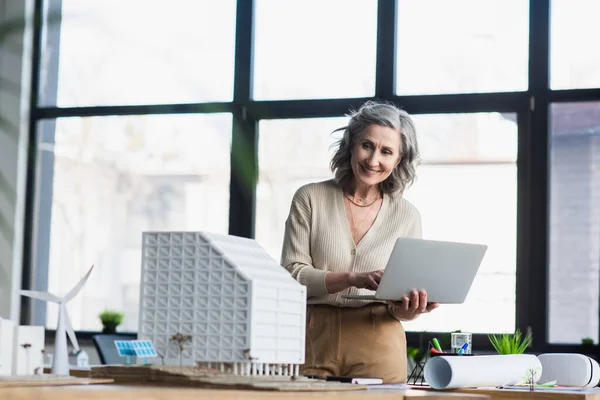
[(574, 221), (138, 52), (115, 177), (573, 34), (466, 190), (314, 49), (208, 115), (461, 46), (291, 153)]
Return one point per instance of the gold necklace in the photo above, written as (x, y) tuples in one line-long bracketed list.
[(361, 205), (355, 227)]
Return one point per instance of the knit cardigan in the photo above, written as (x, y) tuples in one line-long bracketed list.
[(318, 240)]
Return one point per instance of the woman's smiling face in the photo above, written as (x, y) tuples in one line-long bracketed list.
[(375, 154)]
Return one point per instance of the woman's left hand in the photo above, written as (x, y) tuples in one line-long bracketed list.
[(410, 308)]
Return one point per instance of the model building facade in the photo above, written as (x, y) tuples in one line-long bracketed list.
[(20, 348), (233, 302)]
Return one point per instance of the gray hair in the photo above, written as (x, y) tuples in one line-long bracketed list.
[(383, 114)]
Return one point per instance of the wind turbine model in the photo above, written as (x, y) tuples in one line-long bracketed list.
[(60, 361)]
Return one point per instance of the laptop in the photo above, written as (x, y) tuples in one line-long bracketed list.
[(445, 270)]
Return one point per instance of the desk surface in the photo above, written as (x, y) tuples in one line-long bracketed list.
[(121, 392), (147, 392)]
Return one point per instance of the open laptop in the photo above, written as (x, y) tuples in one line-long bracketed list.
[(444, 269)]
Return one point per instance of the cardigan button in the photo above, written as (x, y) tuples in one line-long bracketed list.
[(353, 251)]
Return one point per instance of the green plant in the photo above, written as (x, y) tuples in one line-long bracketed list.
[(111, 318), (587, 340), (508, 343), (414, 353)]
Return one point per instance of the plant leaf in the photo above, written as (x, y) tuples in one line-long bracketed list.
[(525, 343), (10, 27), (6, 189), (10, 86), (511, 343), (6, 230), (8, 128), (516, 339), (497, 343), (4, 276), (243, 165)]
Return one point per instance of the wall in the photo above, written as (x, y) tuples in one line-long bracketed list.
[(15, 79)]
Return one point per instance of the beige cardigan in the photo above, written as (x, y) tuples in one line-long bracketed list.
[(318, 240)]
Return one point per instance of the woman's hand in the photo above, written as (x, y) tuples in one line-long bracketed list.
[(410, 308), (338, 281), (365, 280)]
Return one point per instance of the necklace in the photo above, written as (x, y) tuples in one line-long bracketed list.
[(360, 200), (354, 226)]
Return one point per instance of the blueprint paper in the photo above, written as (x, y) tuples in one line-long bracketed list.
[(445, 372), (561, 389)]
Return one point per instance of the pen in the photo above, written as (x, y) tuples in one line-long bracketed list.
[(313, 376), (436, 344), (463, 348)]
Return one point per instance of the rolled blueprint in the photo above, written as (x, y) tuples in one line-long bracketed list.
[(452, 372)]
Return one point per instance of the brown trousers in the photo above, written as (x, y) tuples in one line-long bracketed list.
[(359, 342)]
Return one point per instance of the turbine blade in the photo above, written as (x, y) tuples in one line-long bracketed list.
[(45, 296), (78, 287), (69, 328)]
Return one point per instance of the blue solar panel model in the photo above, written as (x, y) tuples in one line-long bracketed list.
[(143, 348), (124, 348)]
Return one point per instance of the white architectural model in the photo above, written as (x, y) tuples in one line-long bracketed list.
[(60, 360), (80, 358), (20, 348), (27, 351), (240, 309)]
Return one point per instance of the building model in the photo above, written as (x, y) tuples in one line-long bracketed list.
[(220, 301), (20, 348)]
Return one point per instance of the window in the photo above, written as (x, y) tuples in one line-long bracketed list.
[(573, 63), (136, 101), (292, 152), (138, 52), (115, 177), (314, 49), (574, 222), (466, 190), (461, 46)]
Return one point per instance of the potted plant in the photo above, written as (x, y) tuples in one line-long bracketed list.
[(110, 320), (589, 348), (587, 341), (508, 343)]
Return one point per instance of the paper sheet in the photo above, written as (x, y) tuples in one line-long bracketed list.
[(555, 389), (452, 372)]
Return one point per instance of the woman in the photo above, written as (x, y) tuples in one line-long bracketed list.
[(338, 237)]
